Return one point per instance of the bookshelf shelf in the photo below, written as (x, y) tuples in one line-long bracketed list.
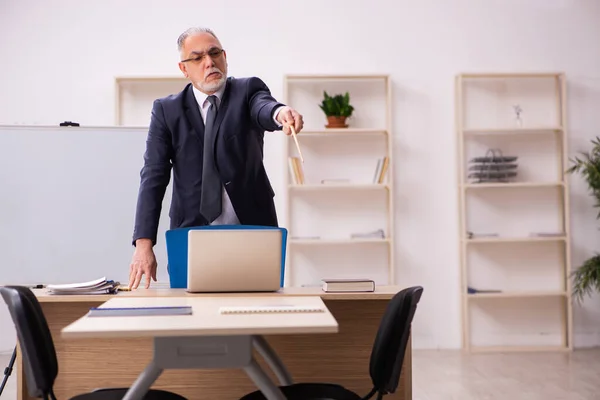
[(344, 188), (514, 211), (514, 131), (513, 185), (339, 186), (336, 133), (515, 295), (332, 78), (134, 96), (517, 240), (509, 75), (328, 242)]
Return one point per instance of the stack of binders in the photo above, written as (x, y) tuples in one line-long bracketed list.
[(493, 168), (98, 286)]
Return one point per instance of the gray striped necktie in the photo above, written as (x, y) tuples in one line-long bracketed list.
[(210, 201)]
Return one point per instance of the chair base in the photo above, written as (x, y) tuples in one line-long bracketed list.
[(119, 393), (309, 391)]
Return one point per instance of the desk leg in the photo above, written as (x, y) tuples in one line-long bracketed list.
[(275, 363), (142, 384), (213, 352), (262, 381)]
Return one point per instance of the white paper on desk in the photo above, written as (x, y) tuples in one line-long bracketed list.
[(80, 285), (83, 292), (98, 286)]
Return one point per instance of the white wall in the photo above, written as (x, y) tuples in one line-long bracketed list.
[(59, 59)]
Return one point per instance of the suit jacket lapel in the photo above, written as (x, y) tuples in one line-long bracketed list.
[(193, 115)]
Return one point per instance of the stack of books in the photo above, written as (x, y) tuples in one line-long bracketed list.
[(98, 286), (296, 170), (381, 170)]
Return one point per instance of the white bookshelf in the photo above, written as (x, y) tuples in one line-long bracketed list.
[(321, 217), (134, 96), (514, 235)]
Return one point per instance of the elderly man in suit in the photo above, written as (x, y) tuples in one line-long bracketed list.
[(211, 135)]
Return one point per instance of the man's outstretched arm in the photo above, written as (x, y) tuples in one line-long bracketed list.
[(267, 112)]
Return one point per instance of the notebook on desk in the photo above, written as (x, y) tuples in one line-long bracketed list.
[(139, 311), (269, 309)]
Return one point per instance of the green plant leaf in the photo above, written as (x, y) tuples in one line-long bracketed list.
[(586, 278), (336, 105)]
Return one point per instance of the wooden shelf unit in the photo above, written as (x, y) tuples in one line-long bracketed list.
[(134, 96), (523, 224), (321, 217)]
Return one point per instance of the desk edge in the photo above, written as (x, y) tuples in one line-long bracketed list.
[(381, 293)]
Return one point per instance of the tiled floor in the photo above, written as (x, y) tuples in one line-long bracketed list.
[(453, 375), (450, 375)]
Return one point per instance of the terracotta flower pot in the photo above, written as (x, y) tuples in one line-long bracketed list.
[(335, 121)]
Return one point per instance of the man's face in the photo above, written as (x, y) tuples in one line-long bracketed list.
[(204, 62)]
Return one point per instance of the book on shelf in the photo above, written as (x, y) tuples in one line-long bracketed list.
[(381, 170), (335, 181), (313, 237), (296, 170), (547, 234), (97, 286), (472, 290), (348, 285), (376, 234)]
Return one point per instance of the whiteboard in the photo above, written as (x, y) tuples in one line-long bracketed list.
[(67, 203)]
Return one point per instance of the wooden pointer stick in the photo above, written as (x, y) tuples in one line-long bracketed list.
[(297, 144)]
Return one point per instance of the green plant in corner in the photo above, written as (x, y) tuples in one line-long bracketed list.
[(337, 109), (586, 278)]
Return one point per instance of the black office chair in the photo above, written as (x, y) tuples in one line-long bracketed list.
[(39, 355), (386, 361)]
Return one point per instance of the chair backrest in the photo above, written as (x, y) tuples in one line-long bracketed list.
[(391, 340), (35, 340)]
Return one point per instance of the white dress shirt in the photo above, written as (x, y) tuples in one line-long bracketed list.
[(228, 215)]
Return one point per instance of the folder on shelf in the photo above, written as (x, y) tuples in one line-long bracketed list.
[(177, 251)]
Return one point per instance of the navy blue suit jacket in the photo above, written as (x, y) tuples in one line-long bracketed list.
[(176, 141)]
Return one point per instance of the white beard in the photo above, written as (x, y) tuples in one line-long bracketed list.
[(212, 86)]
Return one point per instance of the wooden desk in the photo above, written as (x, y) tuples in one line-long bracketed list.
[(208, 339), (85, 364)]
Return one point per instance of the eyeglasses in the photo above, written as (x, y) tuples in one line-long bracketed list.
[(213, 53)]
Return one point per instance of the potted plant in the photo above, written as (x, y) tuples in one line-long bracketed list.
[(586, 278), (337, 109)]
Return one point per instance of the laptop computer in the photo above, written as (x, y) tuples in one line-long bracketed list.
[(234, 260)]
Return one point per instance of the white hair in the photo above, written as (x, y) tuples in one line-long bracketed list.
[(192, 31)]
